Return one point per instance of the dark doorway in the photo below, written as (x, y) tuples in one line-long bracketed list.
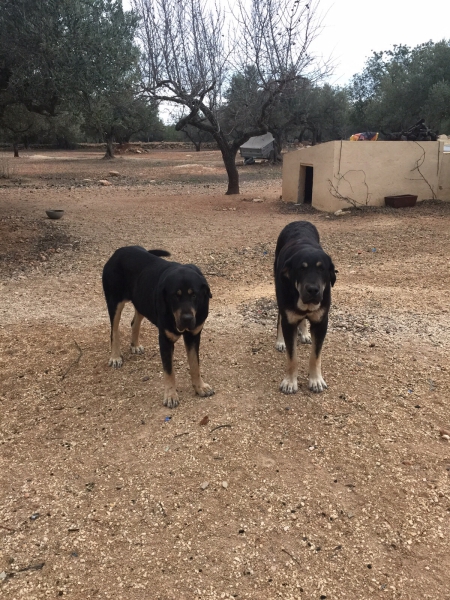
[(308, 185)]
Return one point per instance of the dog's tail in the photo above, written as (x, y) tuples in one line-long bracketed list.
[(159, 252)]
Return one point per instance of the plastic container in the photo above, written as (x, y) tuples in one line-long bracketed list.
[(401, 201)]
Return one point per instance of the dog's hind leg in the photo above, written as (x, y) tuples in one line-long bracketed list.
[(304, 336), (192, 345), (135, 329), (289, 384), (318, 332), (115, 312), (280, 345)]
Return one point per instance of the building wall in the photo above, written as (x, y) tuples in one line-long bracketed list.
[(444, 178), (365, 172)]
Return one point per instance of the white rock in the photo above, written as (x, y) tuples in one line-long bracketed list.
[(204, 485), (225, 484)]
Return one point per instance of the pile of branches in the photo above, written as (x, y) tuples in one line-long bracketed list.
[(417, 133)]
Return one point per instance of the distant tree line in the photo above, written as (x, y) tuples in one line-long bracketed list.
[(86, 70)]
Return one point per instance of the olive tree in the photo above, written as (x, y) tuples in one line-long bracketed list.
[(67, 56)]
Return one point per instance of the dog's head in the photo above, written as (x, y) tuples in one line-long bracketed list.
[(186, 293), (311, 272)]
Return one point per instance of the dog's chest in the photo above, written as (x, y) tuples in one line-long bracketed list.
[(314, 316)]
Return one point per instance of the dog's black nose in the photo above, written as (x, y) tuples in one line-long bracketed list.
[(312, 290), (187, 320)]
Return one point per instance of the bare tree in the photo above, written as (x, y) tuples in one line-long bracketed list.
[(191, 52)]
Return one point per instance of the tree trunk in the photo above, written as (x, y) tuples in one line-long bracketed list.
[(229, 160), (197, 146), (16, 149), (109, 154), (301, 134)]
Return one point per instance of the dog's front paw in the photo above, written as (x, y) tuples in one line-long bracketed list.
[(116, 363), (171, 398), (280, 346), (137, 349), (305, 338), (289, 386), (317, 384), (203, 390)]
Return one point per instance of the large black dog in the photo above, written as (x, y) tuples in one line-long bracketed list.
[(304, 274), (173, 297)]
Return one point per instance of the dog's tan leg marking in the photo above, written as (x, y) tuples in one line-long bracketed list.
[(316, 381), (305, 338), (201, 388), (280, 345), (170, 390), (197, 330), (135, 329), (171, 336), (116, 360), (289, 385)]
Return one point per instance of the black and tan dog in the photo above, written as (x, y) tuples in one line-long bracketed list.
[(304, 274), (172, 296)]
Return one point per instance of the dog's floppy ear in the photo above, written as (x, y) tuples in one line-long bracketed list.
[(285, 271), (332, 274)]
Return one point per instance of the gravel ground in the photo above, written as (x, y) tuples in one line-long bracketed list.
[(105, 493)]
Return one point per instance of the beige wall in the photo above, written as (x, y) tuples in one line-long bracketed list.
[(444, 177), (366, 172)]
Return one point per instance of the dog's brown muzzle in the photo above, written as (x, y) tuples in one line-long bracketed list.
[(185, 321)]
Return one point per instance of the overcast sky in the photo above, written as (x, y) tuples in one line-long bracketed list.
[(353, 28)]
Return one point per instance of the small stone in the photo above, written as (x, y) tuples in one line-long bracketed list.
[(225, 484), (104, 182), (445, 433), (338, 212), (257, 200), (3, 575), (204, 485), (114, 173)]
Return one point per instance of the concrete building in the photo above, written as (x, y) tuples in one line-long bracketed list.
[(339, 174)]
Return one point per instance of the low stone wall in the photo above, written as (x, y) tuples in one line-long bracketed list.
[(130, 146)]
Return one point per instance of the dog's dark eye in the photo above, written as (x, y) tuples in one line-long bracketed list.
[(194, 296)]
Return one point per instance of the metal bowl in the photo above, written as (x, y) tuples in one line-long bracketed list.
[(56, 213)]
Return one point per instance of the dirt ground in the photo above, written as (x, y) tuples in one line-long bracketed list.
[(105, 493)]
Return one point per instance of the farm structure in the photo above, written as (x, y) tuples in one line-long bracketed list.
[(339, 174)]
